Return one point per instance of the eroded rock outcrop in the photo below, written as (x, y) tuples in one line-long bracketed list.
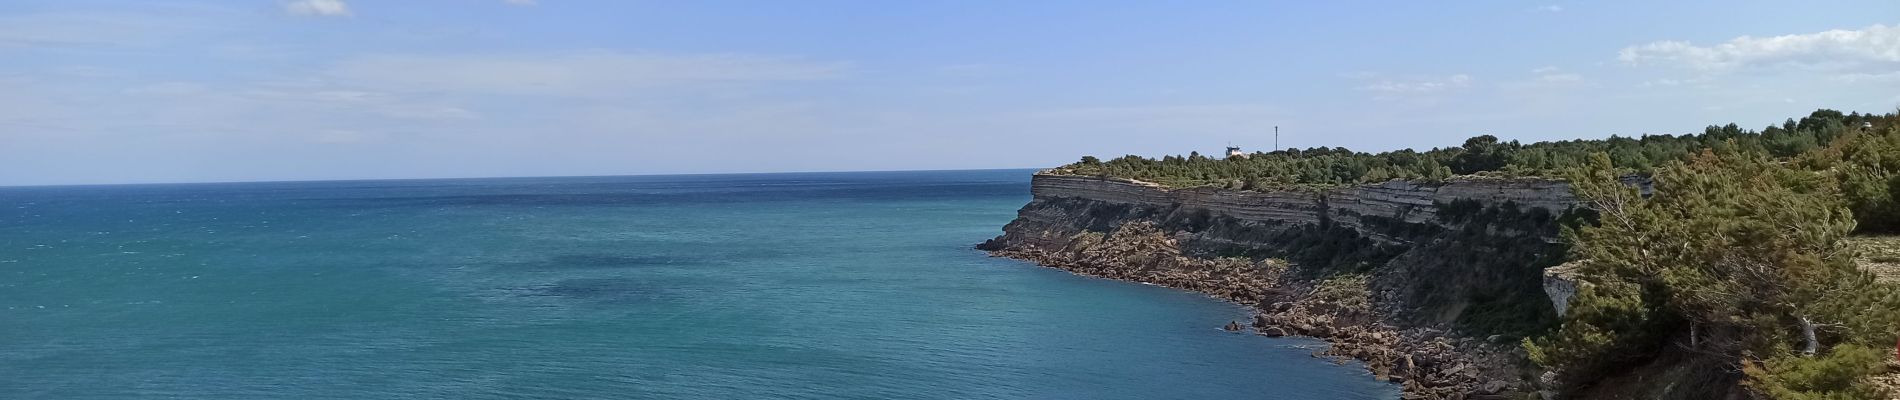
[(1561, 283)]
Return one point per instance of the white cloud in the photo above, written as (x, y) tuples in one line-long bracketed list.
[(1559, 78), (593, 73), (1661, 82), (1876, 77), (321, 8), (1700, 81), (1551, 8), (1547, 77), (521, 2), (1550, 74), (1418, 86), (1875, 47)]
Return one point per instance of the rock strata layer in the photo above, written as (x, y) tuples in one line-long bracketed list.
[(1350, 206)]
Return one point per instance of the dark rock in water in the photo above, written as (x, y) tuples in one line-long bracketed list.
[(1232, 326)]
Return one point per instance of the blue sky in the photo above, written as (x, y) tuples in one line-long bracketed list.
[(180, 91)]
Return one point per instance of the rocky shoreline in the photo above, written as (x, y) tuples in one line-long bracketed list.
[(1431, 284), (1427, 363)]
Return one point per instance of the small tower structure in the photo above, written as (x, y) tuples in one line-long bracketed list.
[(1234, 152)]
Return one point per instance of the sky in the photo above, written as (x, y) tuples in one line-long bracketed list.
[(125, 91)]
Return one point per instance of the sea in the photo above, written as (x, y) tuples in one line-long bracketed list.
[(856, 285)]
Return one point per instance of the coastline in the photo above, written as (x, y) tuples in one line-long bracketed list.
[(1423, 362), (1430, 284)]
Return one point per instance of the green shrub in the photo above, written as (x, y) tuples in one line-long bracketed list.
[(1736, 258)]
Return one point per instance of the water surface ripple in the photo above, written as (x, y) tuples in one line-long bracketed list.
[(827, 285)]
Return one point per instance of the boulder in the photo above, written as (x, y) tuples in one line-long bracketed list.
[(1494, 386)]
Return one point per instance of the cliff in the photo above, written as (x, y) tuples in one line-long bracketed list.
[(1430, 283), (1410, 202)]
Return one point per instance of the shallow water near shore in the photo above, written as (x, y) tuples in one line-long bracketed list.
[(820, 285)]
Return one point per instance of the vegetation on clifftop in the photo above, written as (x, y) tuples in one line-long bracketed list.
[(1479, 155)]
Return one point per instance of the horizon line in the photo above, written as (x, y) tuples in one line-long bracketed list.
[(51, 185)]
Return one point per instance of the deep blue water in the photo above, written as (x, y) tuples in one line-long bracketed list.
[(824, 285)]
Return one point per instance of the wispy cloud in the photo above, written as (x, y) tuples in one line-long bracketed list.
[(1700, 81), (1559, 78), (585, 73), (400, 97), (165, 89), (1165, 112), (1555, 75), (385, 104), (1547, 77), (1872, 48), (343, 136), (1390, 87), (1876, 77), (1551, 8), (969, 70), (1661, 82), (320, 8), (91, 29), (1167, 120)]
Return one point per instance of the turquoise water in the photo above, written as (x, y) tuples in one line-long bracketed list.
[(836, 285)]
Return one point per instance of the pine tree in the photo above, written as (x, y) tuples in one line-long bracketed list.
[(1735, 258)]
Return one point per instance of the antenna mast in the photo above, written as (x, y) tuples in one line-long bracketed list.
[(1276, 138)]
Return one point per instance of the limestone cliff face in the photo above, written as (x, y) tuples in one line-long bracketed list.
[(1411, 202), (1455, 265)]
